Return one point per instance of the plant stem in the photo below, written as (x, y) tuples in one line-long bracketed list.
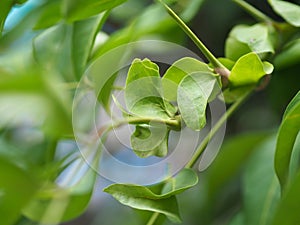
[(215, 129), (145, 120), (138, 120), (211, 58), (153, 218), (253, 11)]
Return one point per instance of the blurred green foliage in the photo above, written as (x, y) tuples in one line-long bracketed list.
[(46, 52)]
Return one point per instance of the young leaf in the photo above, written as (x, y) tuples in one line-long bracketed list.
[(261, 196), (286, 138), (17, 188), (83, 9), (249, 69), (153, 107), (143, 91), (244, 39), (234, 49), (144, 198), (150, 140), (193, 95), (289, 11), (177, 71), (141, 69)]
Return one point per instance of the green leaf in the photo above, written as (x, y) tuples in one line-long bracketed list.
[(193, 94), (234, 49), (287, 211), (190, 9), (289, 11), (49, 14), (228, 63), (55, 56), (177, 71), (5, 6), (150, 140), (140, 199), (289, 56), (141, 69), (143, 91), (83, 36), (38, 98), (185, 179), (54, 204), (82, 9), (225, 165), (153, 20), (294, 102), (249, 69), (17, 187), (286, 138), (105, 94), (143, 198), (244, 39), (103, 82), (261, 196), (153, 107), (231, 95), (143, 98), (20, 1), (238, 219), (295, 159)]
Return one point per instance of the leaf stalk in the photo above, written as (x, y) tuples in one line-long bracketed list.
[(210, 57), (253, 11)]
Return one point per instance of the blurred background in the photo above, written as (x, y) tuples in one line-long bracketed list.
[(216, 198)]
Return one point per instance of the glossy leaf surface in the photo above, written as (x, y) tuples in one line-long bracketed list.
[(193, 94), (82, 9), (243, 39), (144, 198), (177, 71), (54, 204), (243, 74), (286, 138), (17, 187), (289, 11), (261, 189)]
